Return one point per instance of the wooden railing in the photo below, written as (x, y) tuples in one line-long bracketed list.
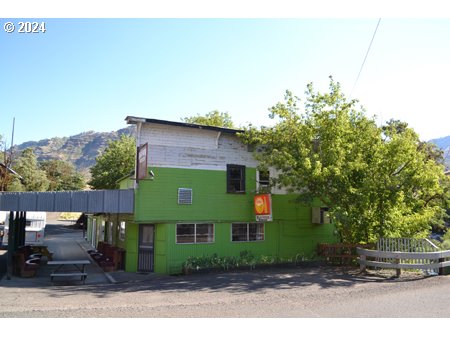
[(403, 260), (340, 253)]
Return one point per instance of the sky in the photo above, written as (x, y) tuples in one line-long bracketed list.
[(89, 73)]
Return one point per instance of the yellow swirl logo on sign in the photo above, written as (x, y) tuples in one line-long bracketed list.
[(262, 204)]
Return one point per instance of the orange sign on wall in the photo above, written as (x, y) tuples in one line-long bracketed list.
[(263, 207)]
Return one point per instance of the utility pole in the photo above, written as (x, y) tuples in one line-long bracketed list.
[(13, 223), (12, 143), (5, 176)]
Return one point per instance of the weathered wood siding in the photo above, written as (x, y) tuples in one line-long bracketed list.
[(178, 147)]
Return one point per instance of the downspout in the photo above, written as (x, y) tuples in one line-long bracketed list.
[(217, 139), (138, 143)]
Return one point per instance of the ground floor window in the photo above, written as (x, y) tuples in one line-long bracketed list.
[(247, 232), (122, 231), (195, 233), (102, 232), (110, 232)]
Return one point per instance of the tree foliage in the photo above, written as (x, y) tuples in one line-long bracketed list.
[(4, 176), (33, 178), (117, 161), (62, 175), (52, 175), (213, 118), (378, 181)]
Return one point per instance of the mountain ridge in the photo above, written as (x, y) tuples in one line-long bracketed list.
[(81, 149), (444, 144)]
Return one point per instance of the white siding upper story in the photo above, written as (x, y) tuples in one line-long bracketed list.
[(182, 147), (193, 148)]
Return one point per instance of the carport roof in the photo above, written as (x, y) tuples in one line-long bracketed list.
[(99, 201)]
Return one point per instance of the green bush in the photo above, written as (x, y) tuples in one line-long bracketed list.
[(246, 259)]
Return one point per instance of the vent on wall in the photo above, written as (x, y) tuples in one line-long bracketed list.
[(185, 196)]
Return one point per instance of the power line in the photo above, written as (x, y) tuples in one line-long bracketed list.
[(367, 53)]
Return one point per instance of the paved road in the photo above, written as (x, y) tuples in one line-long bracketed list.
[(296, 292), (319, 292)]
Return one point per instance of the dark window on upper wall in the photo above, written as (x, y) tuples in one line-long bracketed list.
[(235, 178)]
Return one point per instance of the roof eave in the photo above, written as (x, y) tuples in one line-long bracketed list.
[(136, 120)]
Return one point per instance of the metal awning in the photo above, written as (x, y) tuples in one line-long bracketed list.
[(101, 201)]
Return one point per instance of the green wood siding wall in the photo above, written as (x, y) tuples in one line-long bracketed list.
[(291, 233), (131, 248), (156, 199)]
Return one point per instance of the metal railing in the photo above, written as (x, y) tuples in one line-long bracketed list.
[(408, 245)]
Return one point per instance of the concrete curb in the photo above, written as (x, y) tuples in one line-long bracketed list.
[(83, 245), (110, 278)]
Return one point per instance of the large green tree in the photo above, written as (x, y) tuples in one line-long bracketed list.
[(33, 178), (117, 161), (213, 118), (377, 181), (62, 175)]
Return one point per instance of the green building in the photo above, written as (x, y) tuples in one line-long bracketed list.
[(194, 196)]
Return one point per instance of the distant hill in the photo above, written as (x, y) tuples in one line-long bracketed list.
[(81, 149), (444, 144)]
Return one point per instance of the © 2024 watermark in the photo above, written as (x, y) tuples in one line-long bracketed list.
[(24, 27)]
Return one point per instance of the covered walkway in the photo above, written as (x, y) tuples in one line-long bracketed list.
[(68, 243), (90, 202), (104, 201)]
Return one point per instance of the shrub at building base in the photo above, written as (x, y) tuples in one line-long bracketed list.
[(246, 261)]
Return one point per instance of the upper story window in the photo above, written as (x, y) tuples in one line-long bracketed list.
[(235, 178), (263, 181)]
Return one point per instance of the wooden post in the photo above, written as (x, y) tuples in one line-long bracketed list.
[(362, 263), (11, 249), (441, 269), (398, 270)]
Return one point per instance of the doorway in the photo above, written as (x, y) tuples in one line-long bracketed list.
[(146, 248)]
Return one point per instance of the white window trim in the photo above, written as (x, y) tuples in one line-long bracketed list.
[(248, 231), (258, 184), (195, 233)]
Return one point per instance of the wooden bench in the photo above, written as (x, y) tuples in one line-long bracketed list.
[(69, 274), (69, 268), (340, 253)]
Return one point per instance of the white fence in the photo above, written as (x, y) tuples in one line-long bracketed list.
[(403, 260), (408, 245)]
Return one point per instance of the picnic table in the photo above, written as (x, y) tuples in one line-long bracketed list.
[(69, 268)]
